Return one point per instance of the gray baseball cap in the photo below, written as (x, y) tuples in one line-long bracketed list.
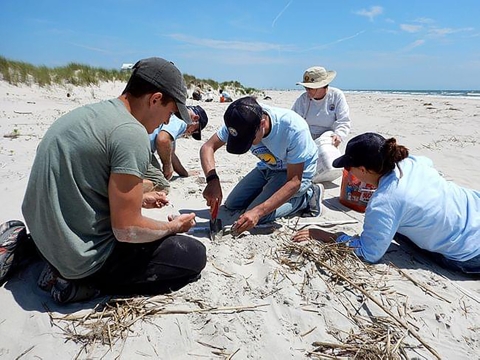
[(164, 75)]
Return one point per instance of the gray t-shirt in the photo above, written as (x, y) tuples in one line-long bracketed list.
[(66, 205)]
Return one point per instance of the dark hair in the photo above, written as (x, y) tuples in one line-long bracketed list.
[(391, 154), (138, 87)]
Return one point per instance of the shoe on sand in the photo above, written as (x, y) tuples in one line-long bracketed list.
[(48, 277), (314, 207), (67, 291), (9, 234)]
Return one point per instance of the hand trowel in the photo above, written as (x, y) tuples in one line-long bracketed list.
[(216, 227)]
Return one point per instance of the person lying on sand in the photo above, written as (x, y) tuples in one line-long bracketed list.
[(280, 185), (84, 198), (412, 201), (162, 141)]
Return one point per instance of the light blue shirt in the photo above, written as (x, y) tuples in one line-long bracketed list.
[(175, 127), (289, 142), (226, 95), (436, 214)]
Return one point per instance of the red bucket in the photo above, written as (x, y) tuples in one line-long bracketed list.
[(354, 193)]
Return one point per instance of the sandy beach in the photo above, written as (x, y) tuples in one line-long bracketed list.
[(257, 297)]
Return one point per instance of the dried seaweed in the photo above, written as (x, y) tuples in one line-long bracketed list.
[(371, 337), (113, 320)]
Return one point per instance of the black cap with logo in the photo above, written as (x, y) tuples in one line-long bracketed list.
[(242, 119)]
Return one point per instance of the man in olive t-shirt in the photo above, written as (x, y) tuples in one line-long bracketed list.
[(84, 196)]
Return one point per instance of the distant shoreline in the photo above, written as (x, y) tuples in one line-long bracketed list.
[(446, 93)]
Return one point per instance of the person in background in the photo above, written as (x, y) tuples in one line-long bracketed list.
[(412, 201), (209, 96), (280, 185), (163, 141), (225, 96), (324, 108), (84, 198), (197, 94)]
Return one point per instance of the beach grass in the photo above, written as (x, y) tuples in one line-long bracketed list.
[(19, 72)]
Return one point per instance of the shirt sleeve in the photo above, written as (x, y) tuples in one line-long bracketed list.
[(129, 151), (176, 127), (297, 151), (342, 123), (222, 133), (380, 225), (298, 106)]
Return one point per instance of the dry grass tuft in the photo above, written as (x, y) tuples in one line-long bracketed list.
[(371, 337)]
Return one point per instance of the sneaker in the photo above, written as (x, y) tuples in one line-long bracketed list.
[(67, 291), (9, 224), (314, 207), (9, 234), (48, 277)]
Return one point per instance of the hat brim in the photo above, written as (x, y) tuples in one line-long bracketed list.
[(317, 85), (183, 112), (197, 135), (238, 146), (341, 162)]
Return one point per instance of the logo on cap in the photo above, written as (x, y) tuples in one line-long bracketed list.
[(232, 131)]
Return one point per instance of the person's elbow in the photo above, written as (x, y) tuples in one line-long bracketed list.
[(125, 235), (369, 257), (207, 150), (203, 148)]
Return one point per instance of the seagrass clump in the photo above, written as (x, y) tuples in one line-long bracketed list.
[(356, 285), (110, 321)]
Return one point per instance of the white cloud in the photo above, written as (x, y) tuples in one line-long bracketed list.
[(448, 31), (371, 13), (423, 20), (230, 45), (92, 48), (411, 28), (413, 45)]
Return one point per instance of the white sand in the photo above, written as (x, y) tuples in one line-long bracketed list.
[(301, 306)]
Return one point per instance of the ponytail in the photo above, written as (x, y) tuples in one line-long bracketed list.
[(392, 154)]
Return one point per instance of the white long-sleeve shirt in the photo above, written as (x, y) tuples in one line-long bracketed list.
[(329, 114)]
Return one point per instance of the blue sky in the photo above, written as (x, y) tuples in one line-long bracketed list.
[(396, 44)]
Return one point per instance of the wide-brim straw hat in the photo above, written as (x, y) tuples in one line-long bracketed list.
[(317, 77)]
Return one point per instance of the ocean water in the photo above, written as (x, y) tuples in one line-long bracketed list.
[(447, 93)]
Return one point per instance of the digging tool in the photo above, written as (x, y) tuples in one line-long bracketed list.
[(216, 227)]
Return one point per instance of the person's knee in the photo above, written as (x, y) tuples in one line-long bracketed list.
[(187, 252), (233, 204), (162, 187), (199, 252)]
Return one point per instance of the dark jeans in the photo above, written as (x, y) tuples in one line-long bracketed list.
[(471, 266), (151, 268)]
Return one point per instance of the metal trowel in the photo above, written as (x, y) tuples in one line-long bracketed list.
[(216, 227)]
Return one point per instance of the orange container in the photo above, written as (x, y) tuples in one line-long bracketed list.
[(354, 193)]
